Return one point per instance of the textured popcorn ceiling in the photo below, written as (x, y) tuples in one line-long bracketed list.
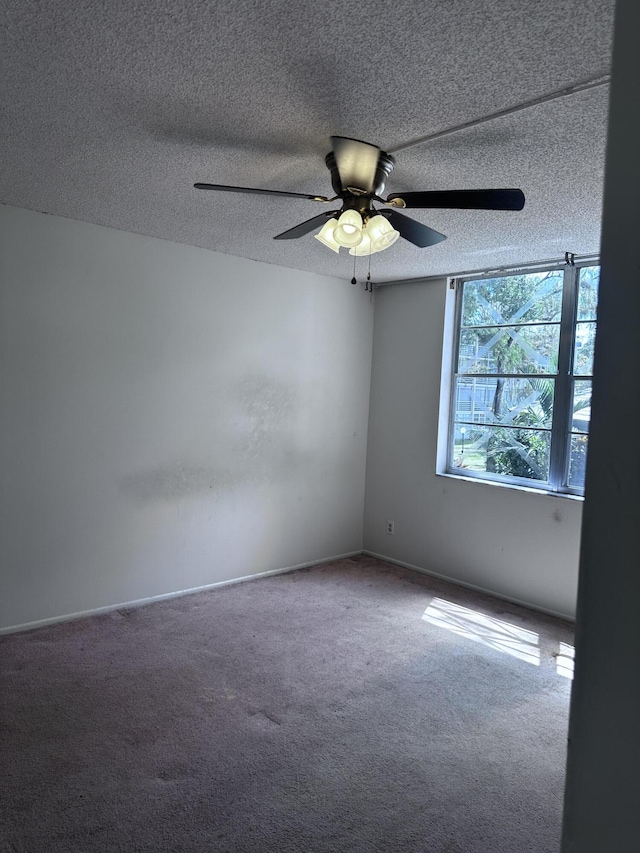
[(112, 110)]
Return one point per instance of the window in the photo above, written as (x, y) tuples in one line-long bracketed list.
[(521, 392)]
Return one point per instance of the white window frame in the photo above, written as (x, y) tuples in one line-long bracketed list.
[(564, 380)]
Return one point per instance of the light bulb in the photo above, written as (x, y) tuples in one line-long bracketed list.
[(348, 231)]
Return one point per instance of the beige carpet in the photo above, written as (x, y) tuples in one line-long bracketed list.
[(354, 706)]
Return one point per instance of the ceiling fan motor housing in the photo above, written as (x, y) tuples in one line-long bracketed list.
[(383, 170)]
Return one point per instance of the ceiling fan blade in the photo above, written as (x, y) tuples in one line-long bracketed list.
[(304, 227), (464, 199), (226, 189), (415, 232), (356, 162)]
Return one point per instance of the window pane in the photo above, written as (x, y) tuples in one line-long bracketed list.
[(492, 400), (506, 375), (578, 460), (513, 299), (588, 293), (500, 450), (583, 352), (514, 349), (581, 406)]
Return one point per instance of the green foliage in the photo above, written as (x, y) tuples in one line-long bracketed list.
[(490, 304), (578, 463), (499, 300), (527, 456), (491, 309), (588, 293)]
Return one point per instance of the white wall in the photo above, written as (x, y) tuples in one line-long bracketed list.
[(513, 543), (171, 417)]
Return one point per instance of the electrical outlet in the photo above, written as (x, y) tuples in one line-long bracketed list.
[(391, 527)]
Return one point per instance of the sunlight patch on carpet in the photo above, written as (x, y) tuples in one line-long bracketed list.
[(565, 660), (476, 626)]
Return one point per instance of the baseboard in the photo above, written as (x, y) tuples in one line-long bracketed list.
[(140, 602), (471, 586)]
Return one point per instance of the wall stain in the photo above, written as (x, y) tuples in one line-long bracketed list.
[(170, 482), (267, 408), (260, 447)]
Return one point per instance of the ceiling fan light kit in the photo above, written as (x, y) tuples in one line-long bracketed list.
[(361, 238), (325, 235), (348, 231), (381, 233), (364, 248), (359, 171)]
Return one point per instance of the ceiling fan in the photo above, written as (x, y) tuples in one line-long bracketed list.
[(359, 171)]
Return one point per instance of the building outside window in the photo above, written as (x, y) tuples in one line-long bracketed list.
[(523, 363)]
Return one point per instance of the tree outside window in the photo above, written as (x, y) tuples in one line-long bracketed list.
[(522, 384)]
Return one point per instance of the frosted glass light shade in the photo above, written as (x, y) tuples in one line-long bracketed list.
[(363, 248), (325, 235), (348, 231), (381, 233)]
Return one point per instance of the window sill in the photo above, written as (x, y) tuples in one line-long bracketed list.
[(513, 486)]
